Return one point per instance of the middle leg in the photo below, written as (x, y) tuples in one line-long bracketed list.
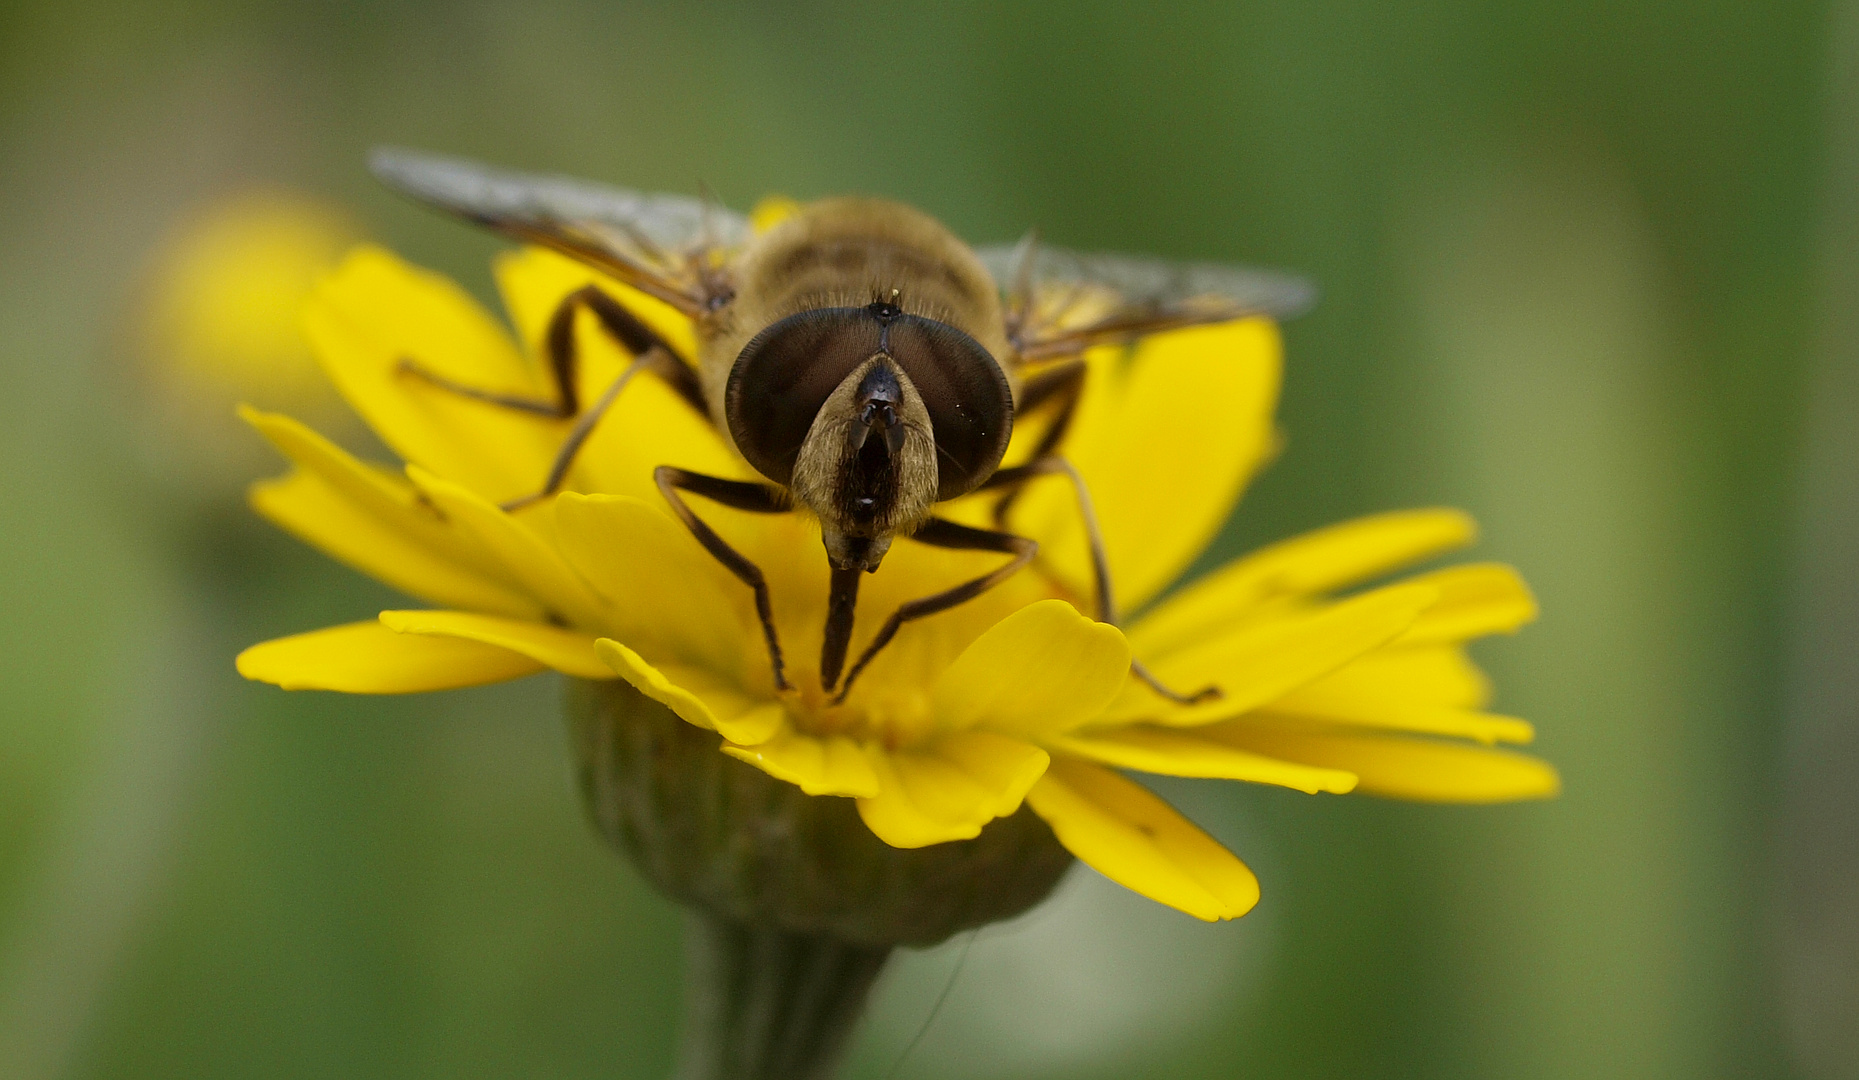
[(1014, 480), (742, 495), (944, 534), (1057, 389)]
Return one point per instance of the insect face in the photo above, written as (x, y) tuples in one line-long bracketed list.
[(869, 416)]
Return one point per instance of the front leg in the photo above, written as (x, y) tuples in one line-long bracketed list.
[(946, 534), (741, 495)]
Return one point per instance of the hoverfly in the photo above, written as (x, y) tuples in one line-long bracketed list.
[(865, 362)]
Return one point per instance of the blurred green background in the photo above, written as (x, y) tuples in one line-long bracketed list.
[(1590, 270)]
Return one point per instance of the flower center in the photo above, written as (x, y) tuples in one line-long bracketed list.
[(891, 713)]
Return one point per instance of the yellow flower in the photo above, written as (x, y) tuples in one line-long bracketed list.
[(218, 321), (228, 288), (1012, 697)]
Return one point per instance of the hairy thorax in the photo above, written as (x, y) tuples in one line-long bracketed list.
[(849, 252)]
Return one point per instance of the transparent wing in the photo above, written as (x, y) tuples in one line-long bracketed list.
[(1059, 302), (669, 246)]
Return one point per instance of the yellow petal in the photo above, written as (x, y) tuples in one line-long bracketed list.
[(368, 658), (1044, 668), (1319, 702), (1166, 436), (1474, 600), (921, 801), (697, 696), (1176, 753), (305, 506), (376, 522), (1124, 832), (741, 719), (1315, 562), (948, 789), (830, 766), (567, 651), (376, 311), (651, 682), (1424, 770), (1006, 767), (646, 565), (1419, 675), (1262, 663), (525, 556), (1428, 689)]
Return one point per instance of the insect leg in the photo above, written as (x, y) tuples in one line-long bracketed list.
[(1014, 480), (648, 349), (947, 534), (741, 495), (577, 435), (562, 363), (1052, 464), (620, 324), (637, 338), (1062, 386), (841, 602)]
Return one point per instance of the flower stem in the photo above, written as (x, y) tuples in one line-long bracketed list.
[(763, 1003)]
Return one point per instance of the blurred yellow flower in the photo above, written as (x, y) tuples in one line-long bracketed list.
[(228, 290), (220, 320), (1012, 697)]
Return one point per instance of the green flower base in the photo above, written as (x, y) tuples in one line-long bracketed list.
[(796, 905)]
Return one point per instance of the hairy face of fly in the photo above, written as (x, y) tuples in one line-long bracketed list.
[(869, 416), (868, 466)]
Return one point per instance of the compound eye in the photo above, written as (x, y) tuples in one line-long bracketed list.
[(969, 400), (784, 376)]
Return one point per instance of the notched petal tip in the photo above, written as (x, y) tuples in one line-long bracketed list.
[(1006, 767), (1476, 599)]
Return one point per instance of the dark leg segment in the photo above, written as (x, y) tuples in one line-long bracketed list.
[(947, 534), (577, 435), (841, 603), (1061, 386), (554, 410), (741, 495), (1014, 479), (649, 351)]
